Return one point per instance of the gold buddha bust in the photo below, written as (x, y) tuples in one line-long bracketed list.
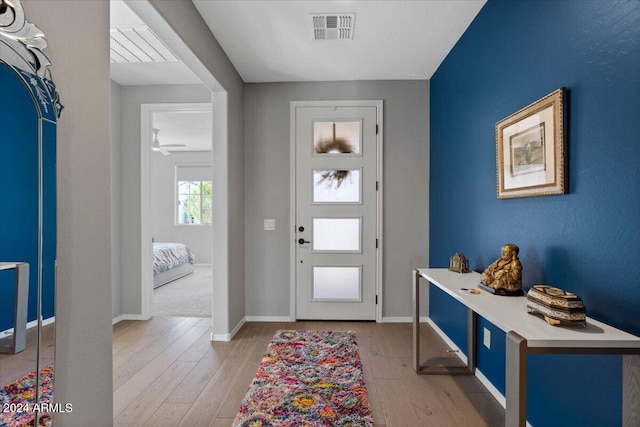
[(504, 275)]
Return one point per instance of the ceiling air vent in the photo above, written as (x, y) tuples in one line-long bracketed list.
[(138, 44), (333, 26)]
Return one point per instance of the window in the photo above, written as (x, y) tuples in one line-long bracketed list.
[(193, 195), (194, 202)]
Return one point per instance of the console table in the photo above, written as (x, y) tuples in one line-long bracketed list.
[(18, 341), (525, 334)]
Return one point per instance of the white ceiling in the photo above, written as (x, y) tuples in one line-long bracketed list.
[(149, 73), (192, 128), (271, 41)]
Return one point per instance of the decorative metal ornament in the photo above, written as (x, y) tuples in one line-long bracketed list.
[(21, 45), (459, 263)]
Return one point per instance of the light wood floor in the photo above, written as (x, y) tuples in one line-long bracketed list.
[(14, 366), (168, 373)]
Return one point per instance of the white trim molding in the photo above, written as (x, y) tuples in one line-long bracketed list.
[(229, 336), (269, 319), (30, 325), (122, 317)]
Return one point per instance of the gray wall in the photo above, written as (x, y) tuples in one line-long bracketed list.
[(78, 38), (132, 97), (406, 194), (116, 213), (162, 204), (228, 151)]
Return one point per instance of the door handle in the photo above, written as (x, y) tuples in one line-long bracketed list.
[(302, 241)]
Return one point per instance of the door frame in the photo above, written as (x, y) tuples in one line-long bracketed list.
[(378, 104), (146, 245)]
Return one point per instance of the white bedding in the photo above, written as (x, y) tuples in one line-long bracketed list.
[(169, 257)]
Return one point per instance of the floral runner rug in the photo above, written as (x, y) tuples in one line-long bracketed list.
[(308, 379), (17, 400)]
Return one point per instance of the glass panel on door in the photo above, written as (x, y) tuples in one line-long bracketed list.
[(336, 283), (336, 186), (336, 137), (336, 234)]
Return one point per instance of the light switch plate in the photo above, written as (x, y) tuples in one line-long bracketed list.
[(269, 224), (487, 338)]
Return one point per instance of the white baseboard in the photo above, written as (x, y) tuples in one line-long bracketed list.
[(30, 325), (401, 319), (447, 340), (202, 265), (490, 387), (229, 336), (484, 380), (122, 317), (494, 391), (269, 319)]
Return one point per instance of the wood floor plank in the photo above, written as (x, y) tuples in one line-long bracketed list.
[(169, 337), (396, 407), (241, 385), (139, 382), (424, 399), (124, 373), (169, 415), (154, 326), (372, 389), (192, 386), (128, 352), (458, 403), (488, 408), (222, 422), (143, 408), (208, 403), (195, 382), (14, 366), (153, 338), (395, 340), (199, 348)]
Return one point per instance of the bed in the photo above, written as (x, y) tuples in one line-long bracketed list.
[(171, 261)]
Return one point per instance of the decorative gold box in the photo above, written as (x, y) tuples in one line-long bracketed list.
[(459, 263), (556, 305)]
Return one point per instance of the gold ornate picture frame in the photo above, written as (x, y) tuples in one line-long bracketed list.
[(530, 149)]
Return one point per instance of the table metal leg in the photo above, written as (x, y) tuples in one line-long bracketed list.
[(425, 369), (17, 342), (516, 381), (22, 298), (416, 321)]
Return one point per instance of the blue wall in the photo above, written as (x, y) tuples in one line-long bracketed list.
[(19, 196), (587, 241)]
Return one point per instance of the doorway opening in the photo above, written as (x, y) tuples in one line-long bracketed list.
[(134, 237), (180, 201)]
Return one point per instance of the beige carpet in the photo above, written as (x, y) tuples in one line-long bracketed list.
[(189, 296)]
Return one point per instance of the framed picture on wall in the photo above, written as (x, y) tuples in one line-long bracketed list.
[(530, 149)]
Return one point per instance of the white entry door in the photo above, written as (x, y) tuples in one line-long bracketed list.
[(336, 210)]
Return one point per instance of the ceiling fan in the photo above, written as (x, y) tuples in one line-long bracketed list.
[(156, 144)]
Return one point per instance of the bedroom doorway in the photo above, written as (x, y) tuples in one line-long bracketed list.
[(180, 201), (134, 291)]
